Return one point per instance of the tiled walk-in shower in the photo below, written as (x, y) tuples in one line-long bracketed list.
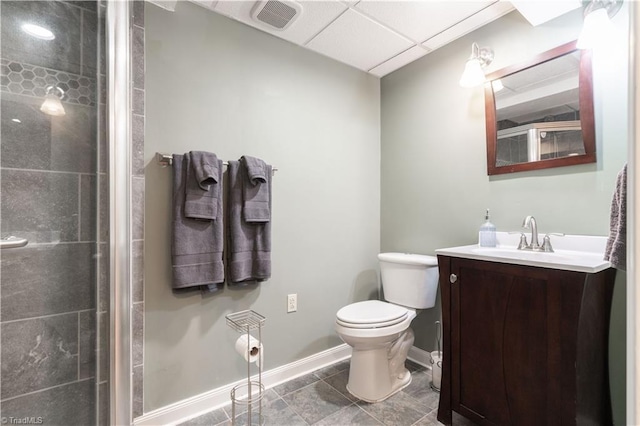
[(54, 316)]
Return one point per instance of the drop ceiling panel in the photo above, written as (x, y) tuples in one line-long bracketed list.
[(399, 61), (359, 41), (486, 15), (537, 15), (420, 20), (315, 16)]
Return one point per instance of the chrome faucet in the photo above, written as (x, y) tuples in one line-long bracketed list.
[(530, 222)]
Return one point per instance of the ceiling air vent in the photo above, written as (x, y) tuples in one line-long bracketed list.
[(276, 14)]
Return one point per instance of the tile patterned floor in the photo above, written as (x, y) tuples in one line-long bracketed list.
[(321, 398)]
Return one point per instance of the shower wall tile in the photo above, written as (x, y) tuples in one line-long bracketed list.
[(89, 5), (64, 20), (138, 271), (103, 346), (137, 195), (138, 208), (89, 43), (72, 404), (38, 353), (103, 217), (137, 147), (40, 206), (103, 141), (137, 403), (103, 404), (43, 142), (138, 101), (87, 207), (137, 329), (87, 344), (138, 13), (138, 55), (103, 277), (22, 78), (46, 279)]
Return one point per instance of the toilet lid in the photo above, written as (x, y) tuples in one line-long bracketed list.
[(371, 313)]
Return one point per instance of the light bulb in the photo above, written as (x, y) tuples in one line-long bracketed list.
[(597, 29), (473, 74)]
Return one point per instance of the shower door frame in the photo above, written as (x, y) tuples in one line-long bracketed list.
[(119, 125)]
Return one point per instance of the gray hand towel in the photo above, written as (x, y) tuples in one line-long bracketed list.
[(256, 192), (196, 247), (203, 185), (616, 249), (249, 243)]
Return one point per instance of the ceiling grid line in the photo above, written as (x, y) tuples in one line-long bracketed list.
[(381, 36), (326, 26), (460, 22)]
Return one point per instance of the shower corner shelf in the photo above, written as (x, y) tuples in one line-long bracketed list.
[(245, 321)]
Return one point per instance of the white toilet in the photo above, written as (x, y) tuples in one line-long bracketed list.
[(379, 332)]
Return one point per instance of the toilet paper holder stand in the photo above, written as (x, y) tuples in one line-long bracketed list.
[(248, 393)]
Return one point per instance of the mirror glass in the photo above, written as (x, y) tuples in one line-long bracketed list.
[(540, 114)]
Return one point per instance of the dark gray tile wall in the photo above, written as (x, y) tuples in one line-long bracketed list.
[(137, 190), (39, 353), (53, 342), (102, 349)]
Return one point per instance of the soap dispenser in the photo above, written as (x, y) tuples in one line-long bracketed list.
[(487, 234)]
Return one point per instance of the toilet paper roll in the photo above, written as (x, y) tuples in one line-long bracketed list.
[(250, 349)]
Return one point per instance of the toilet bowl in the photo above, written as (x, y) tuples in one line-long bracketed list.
[(379, 333)]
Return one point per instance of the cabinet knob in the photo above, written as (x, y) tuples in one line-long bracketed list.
[(453, 278)]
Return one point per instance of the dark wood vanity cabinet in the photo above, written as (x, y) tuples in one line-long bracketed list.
[(524, 345)]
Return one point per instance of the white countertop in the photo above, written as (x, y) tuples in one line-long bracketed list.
[(580, 253)]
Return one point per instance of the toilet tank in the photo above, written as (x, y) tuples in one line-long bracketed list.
[(409, 280)]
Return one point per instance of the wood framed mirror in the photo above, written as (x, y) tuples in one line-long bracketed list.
[(539, 114)]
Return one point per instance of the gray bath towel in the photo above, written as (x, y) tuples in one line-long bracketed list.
[(256, 191), (203, 185), (616, 250), (196, 246), (249, 243)]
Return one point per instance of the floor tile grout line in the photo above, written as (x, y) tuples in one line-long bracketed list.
[(294, 410)]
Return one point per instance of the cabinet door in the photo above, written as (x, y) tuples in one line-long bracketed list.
[(499, 342)]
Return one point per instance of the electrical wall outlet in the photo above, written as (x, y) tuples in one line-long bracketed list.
[(292, 303)]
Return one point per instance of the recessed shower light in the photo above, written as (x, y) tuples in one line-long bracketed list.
[(38, 32), (16, 120)]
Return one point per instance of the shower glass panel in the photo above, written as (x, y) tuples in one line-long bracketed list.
[(54, 297)]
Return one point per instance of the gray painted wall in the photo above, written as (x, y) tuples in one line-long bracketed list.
[(214, 84), (434, 182)]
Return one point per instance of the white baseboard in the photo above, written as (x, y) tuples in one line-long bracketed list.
[(200, 404), (420, 356)]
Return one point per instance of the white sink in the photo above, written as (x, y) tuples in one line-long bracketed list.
[(579, 253)]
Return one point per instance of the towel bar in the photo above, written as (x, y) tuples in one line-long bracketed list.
[(167, 160)]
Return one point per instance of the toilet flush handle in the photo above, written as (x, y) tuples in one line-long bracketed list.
[(453, 278)]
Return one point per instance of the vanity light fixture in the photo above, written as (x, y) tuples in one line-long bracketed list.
[(597, 22), (52, 105), (37, 31), (473, 74)]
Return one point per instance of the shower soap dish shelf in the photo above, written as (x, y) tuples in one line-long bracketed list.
[(249, 393)]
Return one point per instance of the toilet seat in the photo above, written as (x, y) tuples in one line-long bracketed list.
[(371, 314)]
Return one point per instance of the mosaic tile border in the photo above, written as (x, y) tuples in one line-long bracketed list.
[(32, 80)]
